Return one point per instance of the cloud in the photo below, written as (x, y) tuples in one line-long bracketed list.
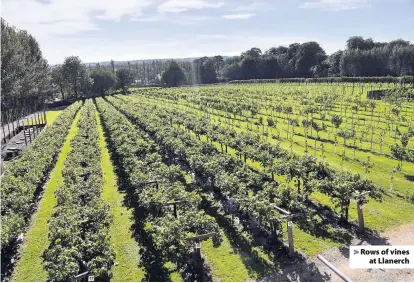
[(177, 6), (336, 5), (238, 16), (254, 5), (65, 17)]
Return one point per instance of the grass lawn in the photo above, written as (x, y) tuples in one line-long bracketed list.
[(30, 266), (126, 248)]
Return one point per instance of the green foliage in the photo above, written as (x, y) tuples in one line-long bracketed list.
[(24, 175), (79, 228), (103, 80), (173, 76), (24, 73), (124, 79), (75, 77)]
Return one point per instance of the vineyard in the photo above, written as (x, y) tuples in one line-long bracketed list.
[(232, 182)]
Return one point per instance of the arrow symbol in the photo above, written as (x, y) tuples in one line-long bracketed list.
[(356, 252)]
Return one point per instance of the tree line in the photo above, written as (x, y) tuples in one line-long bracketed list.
[(361, 58), (28, 81), (24, 74)]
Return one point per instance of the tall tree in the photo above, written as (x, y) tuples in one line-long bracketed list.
[(24, 73), (173, 75), (124, 79), (76, 77), (58, 79), (103, 80)]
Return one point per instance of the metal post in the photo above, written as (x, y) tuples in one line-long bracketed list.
[(290, 238), (360, 217), (333, 268)]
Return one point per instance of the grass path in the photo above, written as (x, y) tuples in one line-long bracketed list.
[(52, 115), (30, 266), (226, 265), (125, 247)]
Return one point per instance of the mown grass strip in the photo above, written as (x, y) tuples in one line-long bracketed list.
[(126, 248), (52, 115), (30, 266), (226, 265)]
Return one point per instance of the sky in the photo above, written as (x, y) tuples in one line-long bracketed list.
[(101, 30)]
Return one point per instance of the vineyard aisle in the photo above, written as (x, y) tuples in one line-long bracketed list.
[(30, 266), (125, 247)]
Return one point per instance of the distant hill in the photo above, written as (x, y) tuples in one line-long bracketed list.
[(120, 63)]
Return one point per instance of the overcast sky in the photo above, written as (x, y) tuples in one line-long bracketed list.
[(100, 30)]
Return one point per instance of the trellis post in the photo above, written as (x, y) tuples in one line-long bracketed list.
[(360, 205), (290, 237), (288, 217), (360, 216), (4, 135)]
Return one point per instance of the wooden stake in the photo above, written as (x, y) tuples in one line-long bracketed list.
[(24, 133), (30, 134), (4, 135), (290, 238), (360, 217)]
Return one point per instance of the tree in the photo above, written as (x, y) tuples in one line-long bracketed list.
[(124, 79), (58, 79), (334, 64), (24, 73), (336, 121), (344, 187), (205, 69), (399, 153), (75, 77), (173, 75), (102, 81)]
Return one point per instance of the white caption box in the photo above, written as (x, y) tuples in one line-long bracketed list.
[(397, 257)]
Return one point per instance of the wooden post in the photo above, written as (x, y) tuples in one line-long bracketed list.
[(197, 249), (8, 127), (360, 217), (33, 127), (44, 114), (24, 133), (290, 238), (30, 135), (14, 131), (4, 135), (36, 123), (18, 124), (175, 210)]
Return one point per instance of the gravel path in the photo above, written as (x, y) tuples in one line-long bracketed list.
[(402, 235)]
